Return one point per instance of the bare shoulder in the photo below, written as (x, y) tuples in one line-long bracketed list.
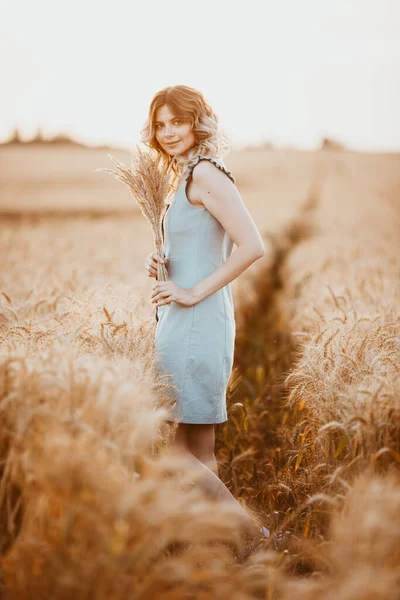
[(206, 178), (206, 172)]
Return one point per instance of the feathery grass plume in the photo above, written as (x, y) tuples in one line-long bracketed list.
[(148, 184)]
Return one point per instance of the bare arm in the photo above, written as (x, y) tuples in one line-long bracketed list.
[(222, 199)]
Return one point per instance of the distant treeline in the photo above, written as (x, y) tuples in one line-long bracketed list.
[(326, 144), (60, 138)]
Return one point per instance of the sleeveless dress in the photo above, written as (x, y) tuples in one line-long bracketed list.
[(195, 344)]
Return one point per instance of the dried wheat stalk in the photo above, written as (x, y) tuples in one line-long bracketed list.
[(148, 184)]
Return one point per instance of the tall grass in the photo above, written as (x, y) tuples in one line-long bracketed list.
[(93, 505), (317, 392)]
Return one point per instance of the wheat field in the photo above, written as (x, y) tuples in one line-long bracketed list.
[(91, 504)]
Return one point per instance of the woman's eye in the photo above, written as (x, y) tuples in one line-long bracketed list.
[(160, 124)]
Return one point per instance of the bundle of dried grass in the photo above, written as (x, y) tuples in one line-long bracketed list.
[(148, 184)]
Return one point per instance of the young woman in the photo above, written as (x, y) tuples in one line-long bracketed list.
[(195, 332)]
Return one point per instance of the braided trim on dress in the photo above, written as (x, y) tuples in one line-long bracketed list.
[(214, 160)]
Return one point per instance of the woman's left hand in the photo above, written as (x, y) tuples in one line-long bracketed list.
[(167, 291)]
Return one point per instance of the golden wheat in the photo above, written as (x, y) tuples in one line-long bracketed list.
[(92, 504), (148, 184)]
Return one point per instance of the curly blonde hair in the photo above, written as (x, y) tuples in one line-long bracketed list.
[(190, 105)]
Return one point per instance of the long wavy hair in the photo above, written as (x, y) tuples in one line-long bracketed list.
[(189, 105)]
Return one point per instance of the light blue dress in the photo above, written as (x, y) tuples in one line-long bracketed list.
[(195, 344)]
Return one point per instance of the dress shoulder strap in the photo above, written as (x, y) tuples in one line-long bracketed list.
[(216, 161)]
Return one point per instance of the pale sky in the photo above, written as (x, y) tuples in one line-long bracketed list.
[(287, 71)]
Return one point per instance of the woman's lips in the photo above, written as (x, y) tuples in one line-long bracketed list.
[(173, 143)]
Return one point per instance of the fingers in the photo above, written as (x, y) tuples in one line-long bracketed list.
[(151, 271), (157, 292), (162, 301), (156, 258), (160, 296), (152, 262), (160, 293)]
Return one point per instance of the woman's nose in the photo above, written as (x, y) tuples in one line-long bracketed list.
[(169, 131)]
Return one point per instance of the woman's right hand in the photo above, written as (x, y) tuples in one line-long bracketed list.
[(151, 263)]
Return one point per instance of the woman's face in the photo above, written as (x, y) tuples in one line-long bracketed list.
[(172, 129)]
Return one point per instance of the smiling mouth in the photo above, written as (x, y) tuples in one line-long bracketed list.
[(172, 143)]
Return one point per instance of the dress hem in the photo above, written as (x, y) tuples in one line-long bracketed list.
[(196, 422)]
